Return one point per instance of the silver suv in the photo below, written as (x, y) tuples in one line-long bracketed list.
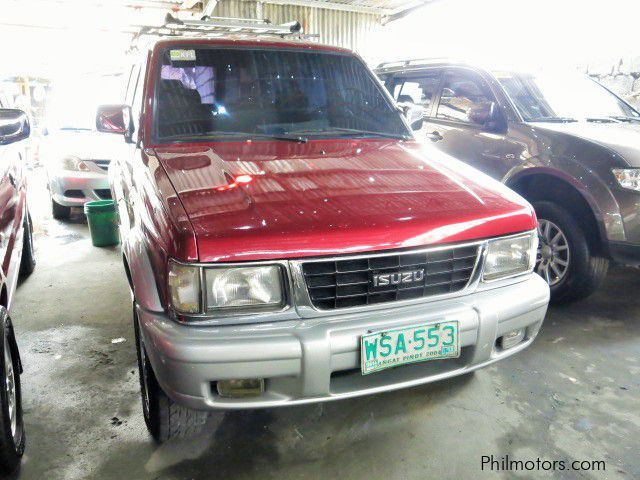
[(564, 142)]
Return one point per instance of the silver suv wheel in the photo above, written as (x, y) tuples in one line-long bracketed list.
[(553, 258), (9, 378)]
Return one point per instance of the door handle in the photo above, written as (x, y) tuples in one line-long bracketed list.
[(434, 136)]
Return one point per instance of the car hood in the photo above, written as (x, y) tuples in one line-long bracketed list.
[(622, 138), (334, 197), (84, 144)]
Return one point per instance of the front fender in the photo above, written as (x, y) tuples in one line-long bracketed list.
[(595, 192), (142, 277)]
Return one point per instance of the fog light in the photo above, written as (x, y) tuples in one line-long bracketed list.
[(241, 387), (512, 338)]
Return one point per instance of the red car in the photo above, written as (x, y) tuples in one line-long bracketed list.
[(288, 241), (16, 251)]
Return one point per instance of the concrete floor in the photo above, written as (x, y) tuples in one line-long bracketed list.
[(575, 394)]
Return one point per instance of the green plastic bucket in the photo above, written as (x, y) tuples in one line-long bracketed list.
[(103, 222)]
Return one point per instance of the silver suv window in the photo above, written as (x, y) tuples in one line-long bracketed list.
[(464, 98)]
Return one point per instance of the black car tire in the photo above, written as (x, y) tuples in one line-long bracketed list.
[(11, 444), (586, 270), (28, 260), (60, 212), (165, 419)]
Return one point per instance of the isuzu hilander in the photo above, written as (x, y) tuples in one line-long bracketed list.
[(287, 240)]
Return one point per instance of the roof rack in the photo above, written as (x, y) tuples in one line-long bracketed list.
[(411, 62), (218, 26)]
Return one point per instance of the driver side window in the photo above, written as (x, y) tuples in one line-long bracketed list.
[(464, 98)]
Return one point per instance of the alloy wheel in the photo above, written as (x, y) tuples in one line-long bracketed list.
[(10, 383), (552, 262)]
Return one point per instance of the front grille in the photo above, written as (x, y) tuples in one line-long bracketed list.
[(350, 283), (74, 193), (103, 193), (103, 164)]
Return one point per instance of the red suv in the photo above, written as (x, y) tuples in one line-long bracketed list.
[(287, 240)]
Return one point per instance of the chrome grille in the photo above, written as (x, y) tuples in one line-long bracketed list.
[(346, 283)]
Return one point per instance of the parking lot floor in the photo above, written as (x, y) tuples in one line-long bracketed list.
[(573, 395)]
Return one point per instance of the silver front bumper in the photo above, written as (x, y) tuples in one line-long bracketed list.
[(315, 360), (87, 182)]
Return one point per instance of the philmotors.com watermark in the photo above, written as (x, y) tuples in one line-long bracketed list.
[(509, 464)]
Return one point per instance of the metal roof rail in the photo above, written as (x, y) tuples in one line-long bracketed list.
[(411, 62), (219, 26)]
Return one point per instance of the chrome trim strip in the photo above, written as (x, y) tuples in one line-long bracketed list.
[(298, 302)]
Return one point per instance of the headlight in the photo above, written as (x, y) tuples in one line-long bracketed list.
[(244, 287), (74, 164), (226, 288), (628, 177), (510, 256), (184, 287)]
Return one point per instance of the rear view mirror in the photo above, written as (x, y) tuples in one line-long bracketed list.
[(114, 119), (447, 93), (489, 116), (14, 126), (411, 111)]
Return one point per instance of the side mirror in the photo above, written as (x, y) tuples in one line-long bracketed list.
[(114, 119), (14, 126)]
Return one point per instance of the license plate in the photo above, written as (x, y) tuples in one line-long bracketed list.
[(401, 346)]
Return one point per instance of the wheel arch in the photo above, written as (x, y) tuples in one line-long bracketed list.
[(541, 184)]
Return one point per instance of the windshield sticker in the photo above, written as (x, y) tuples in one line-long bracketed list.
[(182, 55)]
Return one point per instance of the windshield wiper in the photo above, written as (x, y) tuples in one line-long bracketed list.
[(602, 119), (355, 131), (622, 118), (249, 135), (554, 119)]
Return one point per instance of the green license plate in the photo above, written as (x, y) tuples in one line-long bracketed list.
[(392, 348)]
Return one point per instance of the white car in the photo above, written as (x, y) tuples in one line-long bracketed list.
[(77, 160)]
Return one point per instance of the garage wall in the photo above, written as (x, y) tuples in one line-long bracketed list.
[(621, 75), (336, 27)]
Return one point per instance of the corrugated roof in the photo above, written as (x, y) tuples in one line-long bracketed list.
[(378, 7)]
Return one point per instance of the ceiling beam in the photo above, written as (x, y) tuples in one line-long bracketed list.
[(405, 10), (136, 4)]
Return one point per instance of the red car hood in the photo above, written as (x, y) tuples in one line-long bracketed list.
[(333, 197)]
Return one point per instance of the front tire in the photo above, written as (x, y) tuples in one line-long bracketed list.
[(12, 437), (165, 419), (60, 212), (566, 259)]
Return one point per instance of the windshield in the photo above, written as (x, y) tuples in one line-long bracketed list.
[(564, 98), (266, 93)]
